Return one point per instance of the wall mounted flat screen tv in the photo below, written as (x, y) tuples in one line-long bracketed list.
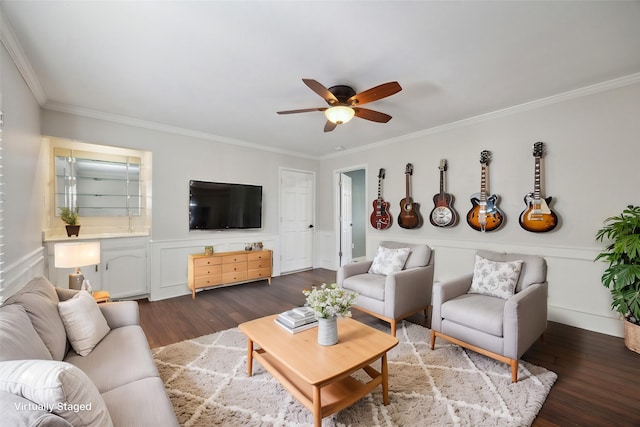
[(224, 206)]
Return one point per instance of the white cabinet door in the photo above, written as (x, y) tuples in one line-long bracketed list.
[(124, 272)]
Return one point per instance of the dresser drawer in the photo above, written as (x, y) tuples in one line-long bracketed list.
[(259, 263), (234, 276), (204, 261), (236, 266), (208, 270), (264, 273), (258, 255), (204, 281), (229, 259)]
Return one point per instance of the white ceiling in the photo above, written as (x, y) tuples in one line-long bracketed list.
[(221, 69)]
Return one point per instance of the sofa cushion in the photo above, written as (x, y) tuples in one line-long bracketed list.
[(18, 411), (534, 267), (40, 301), (368, 285), (419, 256), (83, 321), (140, 403), (59, 387), (18, 339), (121, 357), (495, 278), (389, 260), (479, 312)]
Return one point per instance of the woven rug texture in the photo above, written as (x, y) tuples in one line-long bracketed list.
[(206, 379)]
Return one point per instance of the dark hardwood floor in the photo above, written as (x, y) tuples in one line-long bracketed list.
[(598, 377)]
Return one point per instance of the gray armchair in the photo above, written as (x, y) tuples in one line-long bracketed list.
[(394, 296), (502, 329)]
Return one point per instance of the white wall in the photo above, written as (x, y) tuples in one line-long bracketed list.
[(591, 170), (176, 160), (22, 188)]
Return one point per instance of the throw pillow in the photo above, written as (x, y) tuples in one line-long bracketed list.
[(389, 261), (58, 387), (83, 321), (493, 278), (18, 338)]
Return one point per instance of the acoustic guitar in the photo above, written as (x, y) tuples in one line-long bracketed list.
[(409, 210), (380, 217), (485, 214), (537, 217), (443, 213)]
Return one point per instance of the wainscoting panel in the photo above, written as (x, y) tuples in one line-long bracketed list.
[(168, 260), (576, 295), (16, 275)]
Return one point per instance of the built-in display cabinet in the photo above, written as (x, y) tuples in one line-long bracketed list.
[(122, 270)]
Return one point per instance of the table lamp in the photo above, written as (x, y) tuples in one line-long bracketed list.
[(76, 255)]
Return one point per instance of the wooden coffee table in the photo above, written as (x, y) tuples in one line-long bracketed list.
[(320, 376)]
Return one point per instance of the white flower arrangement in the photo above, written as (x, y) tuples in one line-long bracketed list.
[(330, 300)]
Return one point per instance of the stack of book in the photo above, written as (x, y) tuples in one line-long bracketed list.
[(297, 319)]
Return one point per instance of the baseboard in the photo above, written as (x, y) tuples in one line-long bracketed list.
[(592, 322)]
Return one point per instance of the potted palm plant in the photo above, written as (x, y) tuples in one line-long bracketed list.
[(70, 217), (621, 234)]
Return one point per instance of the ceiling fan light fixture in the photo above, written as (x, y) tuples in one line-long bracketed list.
[(339, 114)]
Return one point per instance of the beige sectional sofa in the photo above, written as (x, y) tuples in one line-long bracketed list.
[(44, 382)]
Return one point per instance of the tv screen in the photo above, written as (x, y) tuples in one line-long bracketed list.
[(223, 206)]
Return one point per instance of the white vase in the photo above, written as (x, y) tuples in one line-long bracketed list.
[(328, 331)]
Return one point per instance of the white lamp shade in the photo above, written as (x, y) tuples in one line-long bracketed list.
[(339, 114), (76, 254)]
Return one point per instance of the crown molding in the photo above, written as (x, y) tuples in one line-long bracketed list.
[(550, 100), (85, 112), (10, 42)]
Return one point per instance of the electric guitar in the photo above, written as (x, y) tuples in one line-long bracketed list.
[(485, 214), (537, 217), (380, 217), (409, 215), (443, 214)]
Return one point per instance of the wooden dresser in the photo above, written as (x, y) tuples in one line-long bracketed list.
[(225, 268)]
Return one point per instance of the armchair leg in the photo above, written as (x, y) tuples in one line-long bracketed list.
[(394, 325), (433, 339), (514, 370)]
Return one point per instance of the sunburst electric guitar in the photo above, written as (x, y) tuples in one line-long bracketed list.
[(380, 217), (409, 215), (485, 214), (443, 213), (537, 217)]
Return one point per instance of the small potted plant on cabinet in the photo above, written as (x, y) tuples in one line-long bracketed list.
[(70, 217), (621, 234)]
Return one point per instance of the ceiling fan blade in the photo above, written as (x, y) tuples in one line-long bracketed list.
[(329, 126), (374, 116), (304, 110), (375, 93), (321, 90)]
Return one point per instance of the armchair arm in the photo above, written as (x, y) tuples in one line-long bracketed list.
[(445, 291), (407, 291), (352, 269), (121, 313), (525, 319)]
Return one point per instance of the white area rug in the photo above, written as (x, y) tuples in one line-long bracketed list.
[(208, 385)]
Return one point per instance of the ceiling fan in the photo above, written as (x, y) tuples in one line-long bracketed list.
[(344, 103)]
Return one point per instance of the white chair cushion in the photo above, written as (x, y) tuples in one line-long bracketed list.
[(494, 278), (389, 261), (83, 321)]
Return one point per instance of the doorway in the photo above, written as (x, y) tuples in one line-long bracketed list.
[(351, 214)]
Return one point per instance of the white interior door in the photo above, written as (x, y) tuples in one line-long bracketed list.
[(297, 195), (346, 219)]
